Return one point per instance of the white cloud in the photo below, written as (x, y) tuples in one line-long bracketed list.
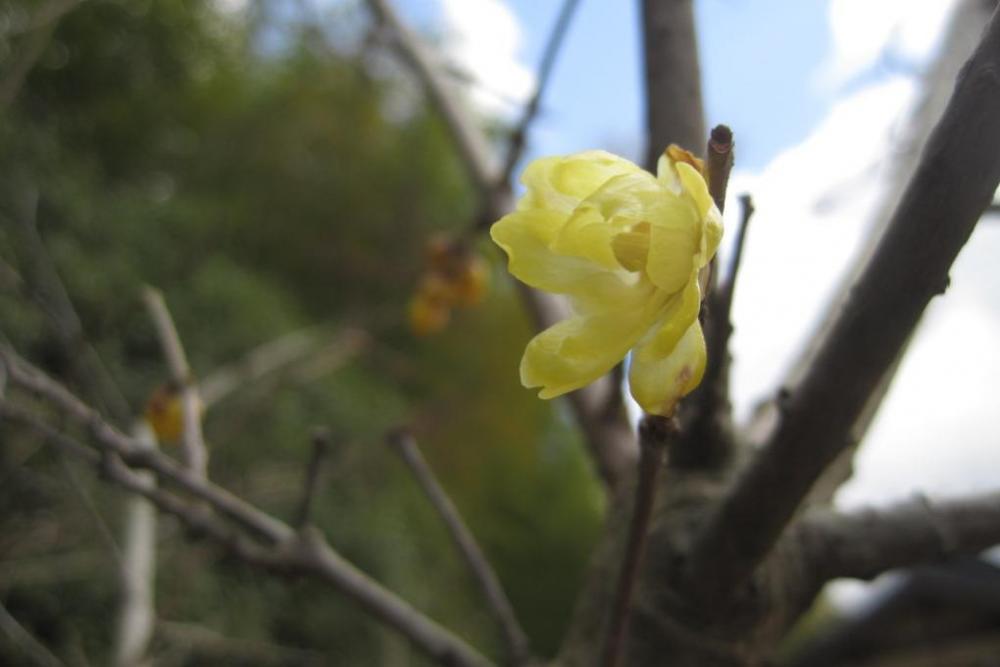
[(483, 41), (813, 204), (936, 432), (862, 31)]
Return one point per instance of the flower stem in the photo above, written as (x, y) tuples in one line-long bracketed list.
[(654, 432)]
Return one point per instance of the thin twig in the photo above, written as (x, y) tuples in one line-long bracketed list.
[(137, 611), (518, 136), (654, 434), (304, 552), (468, 138), (404, 444), (314, 471), (193, 449), (46, 288), (955, 180), (30, 647), (718, 163), (107, 538)]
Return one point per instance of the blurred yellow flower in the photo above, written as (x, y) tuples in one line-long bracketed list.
[(455, 278), (626, 248)]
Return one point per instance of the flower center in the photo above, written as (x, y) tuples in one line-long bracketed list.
[(632, 247)]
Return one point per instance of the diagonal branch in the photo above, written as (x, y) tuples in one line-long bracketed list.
[(954, 182), (469, 139), (499, 605), (519, 136), (18, 636), (305, 552), (864, 544)]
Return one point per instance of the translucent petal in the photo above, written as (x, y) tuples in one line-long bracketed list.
[(578, 350), (674, 245), (620, 203), (560, 183), (694, 185), (526, 235), (680, 312), (658, 381)]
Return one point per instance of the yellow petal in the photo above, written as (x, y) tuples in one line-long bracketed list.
[(674, 246), (681, 311), (578, 350), (598, 342), (658, 382), (618, 204), (561, 183)]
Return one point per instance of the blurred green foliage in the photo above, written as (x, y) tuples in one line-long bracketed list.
[(245, 163)]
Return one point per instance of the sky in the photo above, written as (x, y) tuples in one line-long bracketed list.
[(815, 91)]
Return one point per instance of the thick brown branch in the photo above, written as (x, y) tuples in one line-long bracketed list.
[(954, 182), (499, 605), (864, 544), (673, 77)]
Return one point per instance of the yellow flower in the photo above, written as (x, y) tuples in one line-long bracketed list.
[(626, 248)]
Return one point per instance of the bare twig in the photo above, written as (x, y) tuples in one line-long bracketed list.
[(654, 434), (519, 136), (404, 444), (864, 544), (117, 444), (193, 449), (137, 613), (954, 182), (304, 552), (31, 648), (311, 484), (468, 138), (718, 163), (107, 538), (44, 286), (275, 356)]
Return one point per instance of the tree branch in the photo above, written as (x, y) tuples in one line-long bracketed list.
[(516, 642), (137, 612), (954, 182), (864, 544), (30, 647), (469, 139), (289, 552), (519, 136), (673, 77), (655, 433), (937, 85), (193, 449)]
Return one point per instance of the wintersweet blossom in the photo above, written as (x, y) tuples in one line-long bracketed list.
[(626, 248)]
